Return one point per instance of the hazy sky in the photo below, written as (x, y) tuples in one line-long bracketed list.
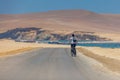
[(26, 6)]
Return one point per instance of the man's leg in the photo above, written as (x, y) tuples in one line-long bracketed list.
[(72, 50)]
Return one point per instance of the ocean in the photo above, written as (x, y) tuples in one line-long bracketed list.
[(104, 45)]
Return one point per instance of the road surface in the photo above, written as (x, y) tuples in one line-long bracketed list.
[(45, 64)]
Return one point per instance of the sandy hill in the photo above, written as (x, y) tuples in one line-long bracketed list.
[(64, 20)]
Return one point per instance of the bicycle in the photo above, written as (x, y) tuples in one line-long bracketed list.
[(73, 50)]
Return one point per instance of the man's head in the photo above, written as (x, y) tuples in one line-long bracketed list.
[(73, 35)]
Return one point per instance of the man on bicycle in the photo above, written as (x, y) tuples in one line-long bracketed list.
[(73, 42)]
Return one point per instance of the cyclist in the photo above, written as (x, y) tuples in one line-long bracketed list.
[(73, 42)]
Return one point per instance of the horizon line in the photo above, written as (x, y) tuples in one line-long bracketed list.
[(56, 10)]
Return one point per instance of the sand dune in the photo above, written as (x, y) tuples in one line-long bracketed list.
[(112, 36), (9, 47), (64, 20), (110, 58)]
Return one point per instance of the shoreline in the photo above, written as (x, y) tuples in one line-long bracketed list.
[(99, 42)]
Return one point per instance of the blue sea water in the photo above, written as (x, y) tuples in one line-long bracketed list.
[(104, 45)]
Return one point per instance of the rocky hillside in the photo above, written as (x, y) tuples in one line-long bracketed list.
[(32, 34)]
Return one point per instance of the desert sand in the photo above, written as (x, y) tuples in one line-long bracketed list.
[(110, 58), (66, 21), (10, 47), (113, 36)]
